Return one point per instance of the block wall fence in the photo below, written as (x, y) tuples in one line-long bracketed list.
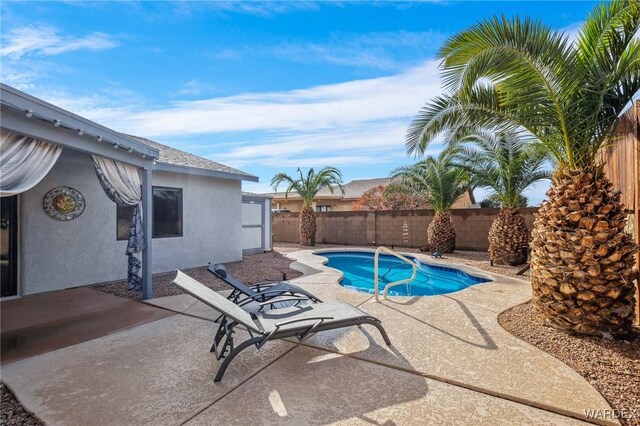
[(404, 228)]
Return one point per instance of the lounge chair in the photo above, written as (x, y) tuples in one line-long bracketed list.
[(275, 324), (243, 294)]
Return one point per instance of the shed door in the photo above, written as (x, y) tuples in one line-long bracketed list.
[(252, 225)]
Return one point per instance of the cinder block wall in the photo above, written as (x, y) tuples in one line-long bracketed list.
[(407, 228)]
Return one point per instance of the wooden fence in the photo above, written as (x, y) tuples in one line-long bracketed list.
[(622, 166)]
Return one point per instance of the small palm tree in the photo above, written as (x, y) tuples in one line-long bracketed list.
[(441, 182), (519, 73), (307, 187), (507, 164)]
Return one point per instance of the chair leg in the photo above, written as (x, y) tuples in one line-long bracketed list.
[(381, 329), (236, 351)]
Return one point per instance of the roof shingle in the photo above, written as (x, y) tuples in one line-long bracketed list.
[(170, 155)]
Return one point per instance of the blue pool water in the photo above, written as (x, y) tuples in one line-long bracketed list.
[(430, 279)]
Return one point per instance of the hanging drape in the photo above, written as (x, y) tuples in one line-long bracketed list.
[(24, 162), (121, 183)]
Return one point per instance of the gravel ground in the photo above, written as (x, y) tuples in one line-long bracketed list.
[(611, 366), (12, 413), (253, 268)]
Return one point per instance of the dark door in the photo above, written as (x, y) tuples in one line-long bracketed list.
[(9, 245)]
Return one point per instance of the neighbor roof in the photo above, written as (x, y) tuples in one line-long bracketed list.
[(176, 157), (352, 190)]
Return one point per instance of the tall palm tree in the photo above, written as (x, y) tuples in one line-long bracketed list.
[(441, 182), (307, 187), (507, 164), (519, 73)]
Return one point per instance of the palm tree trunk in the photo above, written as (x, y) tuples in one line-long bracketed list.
[(582, 259), (441, 234), (307, 226), (508, 238)]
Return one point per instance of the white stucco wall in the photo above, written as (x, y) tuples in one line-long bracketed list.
[(56, 255)]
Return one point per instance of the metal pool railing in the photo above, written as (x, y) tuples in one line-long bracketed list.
[(376, 272)]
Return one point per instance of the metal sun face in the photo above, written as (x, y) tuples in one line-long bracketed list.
[(64, 203)]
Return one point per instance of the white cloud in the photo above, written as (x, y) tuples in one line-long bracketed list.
[(195, 88), (261, 8), (327, 107), (377, 50), (353, 123), (44, 40)]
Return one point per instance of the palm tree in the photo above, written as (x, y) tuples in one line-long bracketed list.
[(519, 73), (441, 183), (307, 187), (507, 164)]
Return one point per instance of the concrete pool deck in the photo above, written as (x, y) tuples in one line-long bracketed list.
[(450, 362)]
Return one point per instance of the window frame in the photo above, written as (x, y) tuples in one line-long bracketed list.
[(180, 212)]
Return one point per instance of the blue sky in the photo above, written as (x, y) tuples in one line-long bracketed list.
[(265, 87)]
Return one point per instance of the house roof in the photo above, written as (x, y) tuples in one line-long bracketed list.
[(352, 190), (176, 157)]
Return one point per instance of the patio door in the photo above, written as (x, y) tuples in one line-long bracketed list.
[(9, 245)]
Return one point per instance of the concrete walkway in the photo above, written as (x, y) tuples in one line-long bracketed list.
[(450, 363), (45, 322)]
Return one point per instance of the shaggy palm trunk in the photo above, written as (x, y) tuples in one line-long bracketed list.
[(582, 259), (441, 234), (508, 238), (307, 226)]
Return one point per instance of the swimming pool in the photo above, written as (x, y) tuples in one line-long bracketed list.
[(430, 280)]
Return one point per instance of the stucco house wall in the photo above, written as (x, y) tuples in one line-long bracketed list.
[(56, 254)]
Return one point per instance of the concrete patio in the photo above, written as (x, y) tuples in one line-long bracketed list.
[(450, 362)]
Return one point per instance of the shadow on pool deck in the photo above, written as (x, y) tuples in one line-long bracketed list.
[(41, 323)]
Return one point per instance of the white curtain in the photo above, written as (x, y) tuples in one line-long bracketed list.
[(123, 178), (121, 183), (24, 162)]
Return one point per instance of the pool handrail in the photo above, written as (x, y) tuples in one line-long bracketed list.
[(376, 272)]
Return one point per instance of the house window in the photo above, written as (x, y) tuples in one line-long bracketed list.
[(124, 218), (167, 214), (323, 208)]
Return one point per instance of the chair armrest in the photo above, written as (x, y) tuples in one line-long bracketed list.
[(263, 284), (301, 336), (284, 299), (269, 292), (321, 319)]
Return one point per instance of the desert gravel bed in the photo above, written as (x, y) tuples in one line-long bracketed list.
[(12, 413), (253, 268), (611, 366)]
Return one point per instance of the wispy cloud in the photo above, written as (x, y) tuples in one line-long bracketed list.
[(43, 40), (195, 88), (353, 123), (377, 50), (323, 107), (259, 8)]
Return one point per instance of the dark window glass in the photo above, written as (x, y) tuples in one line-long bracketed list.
[(167, 214), (124, 218)]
